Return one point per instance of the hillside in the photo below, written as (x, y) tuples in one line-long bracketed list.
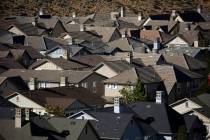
[(65, 7)]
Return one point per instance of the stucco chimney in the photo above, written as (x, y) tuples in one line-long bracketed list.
[(18, 118), (41, 13), (159, 97), (33, 84), (129, 57), (82, 27), (117, 105), (196, 44), (27, 114), (70, 40), (66, 54), (73, 14), (139, 16), (156, 45), (122, 12), (199, 9), (63, 81), (173, 14)]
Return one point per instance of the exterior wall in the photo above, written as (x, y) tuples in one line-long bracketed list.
[(106, 71), (84, 116), (58, 29), (24, 102), (116, 35), (88, 133), (133, 132), (94, 83), (57, 53), (185, 107), (16, 31), (111, 91), (177, 42), (11, 85), (48, 66)]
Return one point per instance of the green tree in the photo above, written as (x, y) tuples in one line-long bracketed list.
[(132, 95)]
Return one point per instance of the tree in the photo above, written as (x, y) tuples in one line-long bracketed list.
[(132, 95)]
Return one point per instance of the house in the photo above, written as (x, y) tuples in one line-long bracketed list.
[(189, 16), (108, 33), (122, 125), (91, 60), (195, 127), (9, 63), (111, 68), (67, 99), (6, 36), (197, 53), (187, 62), (70, 129), (167, 122), (37, 127), (186, 39), (57, 64), (179, 82), (26, 29), (146, 75), (43, 79), (197, 106), (11, 84)]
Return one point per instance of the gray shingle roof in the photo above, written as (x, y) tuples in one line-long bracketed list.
[(163, 121), (115, 128)]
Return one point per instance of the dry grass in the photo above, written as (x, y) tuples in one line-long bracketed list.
[(65, 7)]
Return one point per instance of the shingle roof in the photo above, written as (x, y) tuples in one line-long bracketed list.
[(163, 121), (191, 16), (123, 78), (160, 17), (121, 43), (185, 61), (91, 60), (74, 77), (115, 128), (62, 63), (148, 59), (28, 29), (10, 64), (25, 132), (71, 93)]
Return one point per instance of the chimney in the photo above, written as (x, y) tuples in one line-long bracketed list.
[(196, 44), (27, 114), (188, 28), (129, 57), (159, 97), (122, 12), (73, 14), (199, 9), (173, 14), (124, 34), (63, 81), (156, 45), (66, 54), (33, 84), (139, 16), (41, 12), (114, 15), (82, 28), (117, 103), (18, 118), (70, 40)]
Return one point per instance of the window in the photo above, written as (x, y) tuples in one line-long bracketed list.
[(84, 85), (94, 87), (186, 104), (17, 99), (114, 87), (109, 86)]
